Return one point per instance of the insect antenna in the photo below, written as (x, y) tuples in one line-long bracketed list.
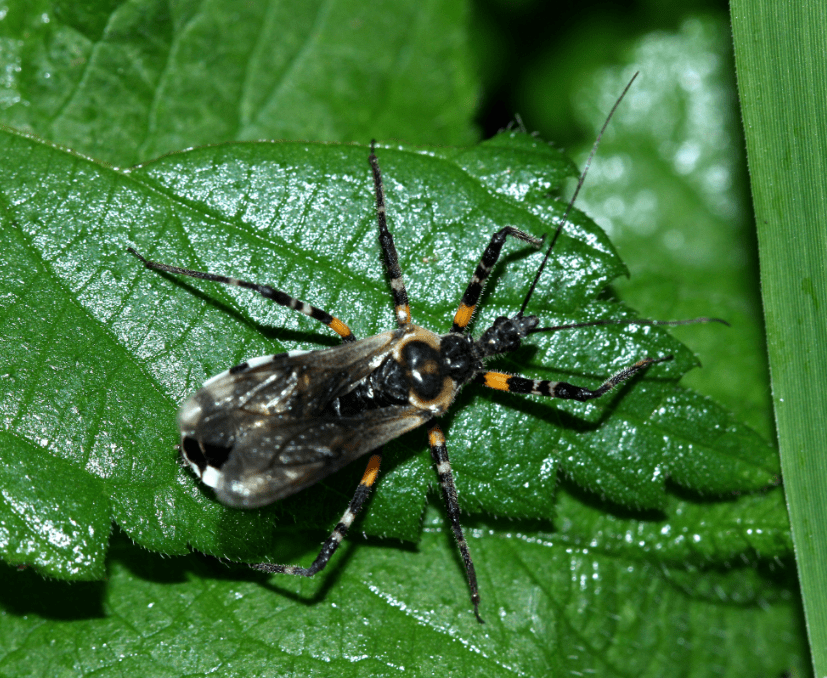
[(635, 321), (559, 228), (580, 182)]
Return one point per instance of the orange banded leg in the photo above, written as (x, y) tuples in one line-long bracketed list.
[(489, 258), (281, 298), (332, 543), (560, 389), (400, 295), (439, 453)]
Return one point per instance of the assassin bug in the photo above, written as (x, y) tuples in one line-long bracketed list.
[(270, 427)]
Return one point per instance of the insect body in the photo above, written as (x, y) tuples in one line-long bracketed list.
[(268, 428)]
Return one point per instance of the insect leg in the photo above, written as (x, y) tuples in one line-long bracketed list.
[(439, 453), (560, 389), (400, 294), (489, 258), (281, 298), (339, 532)]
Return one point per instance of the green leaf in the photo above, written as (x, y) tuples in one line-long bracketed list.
[(780, 54), (127, 82), (689, 531), (550, 608), (136, 343), (64, 534), (669, 186), (621, 572)]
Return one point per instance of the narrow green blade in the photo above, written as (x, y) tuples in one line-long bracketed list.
[(781, 57)]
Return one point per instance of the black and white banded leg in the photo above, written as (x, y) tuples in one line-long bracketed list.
[(439, 453), (402, 308), (281, 298), (472, 293), (560, 389), (330, 545)]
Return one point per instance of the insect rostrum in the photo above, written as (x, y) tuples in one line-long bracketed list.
[(270, 427)]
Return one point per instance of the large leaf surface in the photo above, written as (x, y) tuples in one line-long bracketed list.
[(104, 350), (550, 608), (129, 81), (97, 353)]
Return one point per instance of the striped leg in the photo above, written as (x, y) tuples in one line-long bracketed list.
[(265, 291), (400, 294), (439, 453), (472, 293), (560, 389), (339, 532)]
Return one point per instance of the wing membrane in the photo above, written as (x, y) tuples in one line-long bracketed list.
[(300, 385), (256, 433), (278, 456)]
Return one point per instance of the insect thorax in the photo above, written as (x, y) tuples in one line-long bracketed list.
[(426, 370)]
